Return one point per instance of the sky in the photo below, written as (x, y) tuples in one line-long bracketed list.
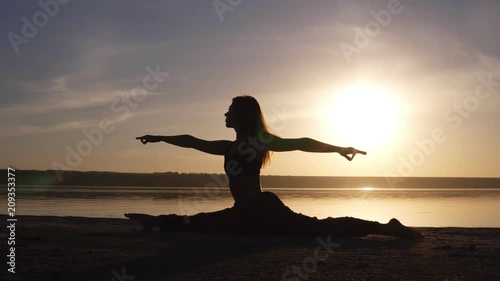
[(414, 83)]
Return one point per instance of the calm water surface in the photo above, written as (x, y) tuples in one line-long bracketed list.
[(414, 207)]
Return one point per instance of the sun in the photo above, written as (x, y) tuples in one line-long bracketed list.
[(364, 116)]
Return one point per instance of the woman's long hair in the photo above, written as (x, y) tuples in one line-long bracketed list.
[(251, 119)]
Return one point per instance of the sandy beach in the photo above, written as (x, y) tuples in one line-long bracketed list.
[(77, 248)]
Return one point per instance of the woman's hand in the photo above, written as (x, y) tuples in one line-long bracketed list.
[(349, 150), (147, 138)]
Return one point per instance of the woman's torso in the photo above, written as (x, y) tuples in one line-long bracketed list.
[(242, 163)]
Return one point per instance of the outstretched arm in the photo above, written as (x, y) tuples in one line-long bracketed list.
[(218, 147), (310, 145)]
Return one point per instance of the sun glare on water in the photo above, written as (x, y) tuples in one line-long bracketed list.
[(363, 116)]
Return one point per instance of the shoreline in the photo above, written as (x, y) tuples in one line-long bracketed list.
[(82, 248)]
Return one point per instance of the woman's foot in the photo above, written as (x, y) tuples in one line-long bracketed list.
[(148, 222), (397, 229)]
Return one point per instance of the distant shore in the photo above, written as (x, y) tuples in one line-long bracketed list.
[(76, 248), (175, 179)]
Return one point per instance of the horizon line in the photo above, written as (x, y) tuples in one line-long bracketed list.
[(193, 173)]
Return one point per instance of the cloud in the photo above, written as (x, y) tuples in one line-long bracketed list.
[(158, 130), (19, 129), (10, 130), (56, 85), (55, 95), (114, 49)]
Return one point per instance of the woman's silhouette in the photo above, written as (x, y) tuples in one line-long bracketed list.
[(255, 211)]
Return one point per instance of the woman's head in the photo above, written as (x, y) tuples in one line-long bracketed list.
[(245, 116)]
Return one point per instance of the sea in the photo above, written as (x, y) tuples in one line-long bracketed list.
[(422, 207)]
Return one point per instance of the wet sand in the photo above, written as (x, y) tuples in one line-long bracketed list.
[(76, 248)]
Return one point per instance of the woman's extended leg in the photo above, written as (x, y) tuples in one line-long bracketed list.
[(148, 221), (219, 221), (276, 217)]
